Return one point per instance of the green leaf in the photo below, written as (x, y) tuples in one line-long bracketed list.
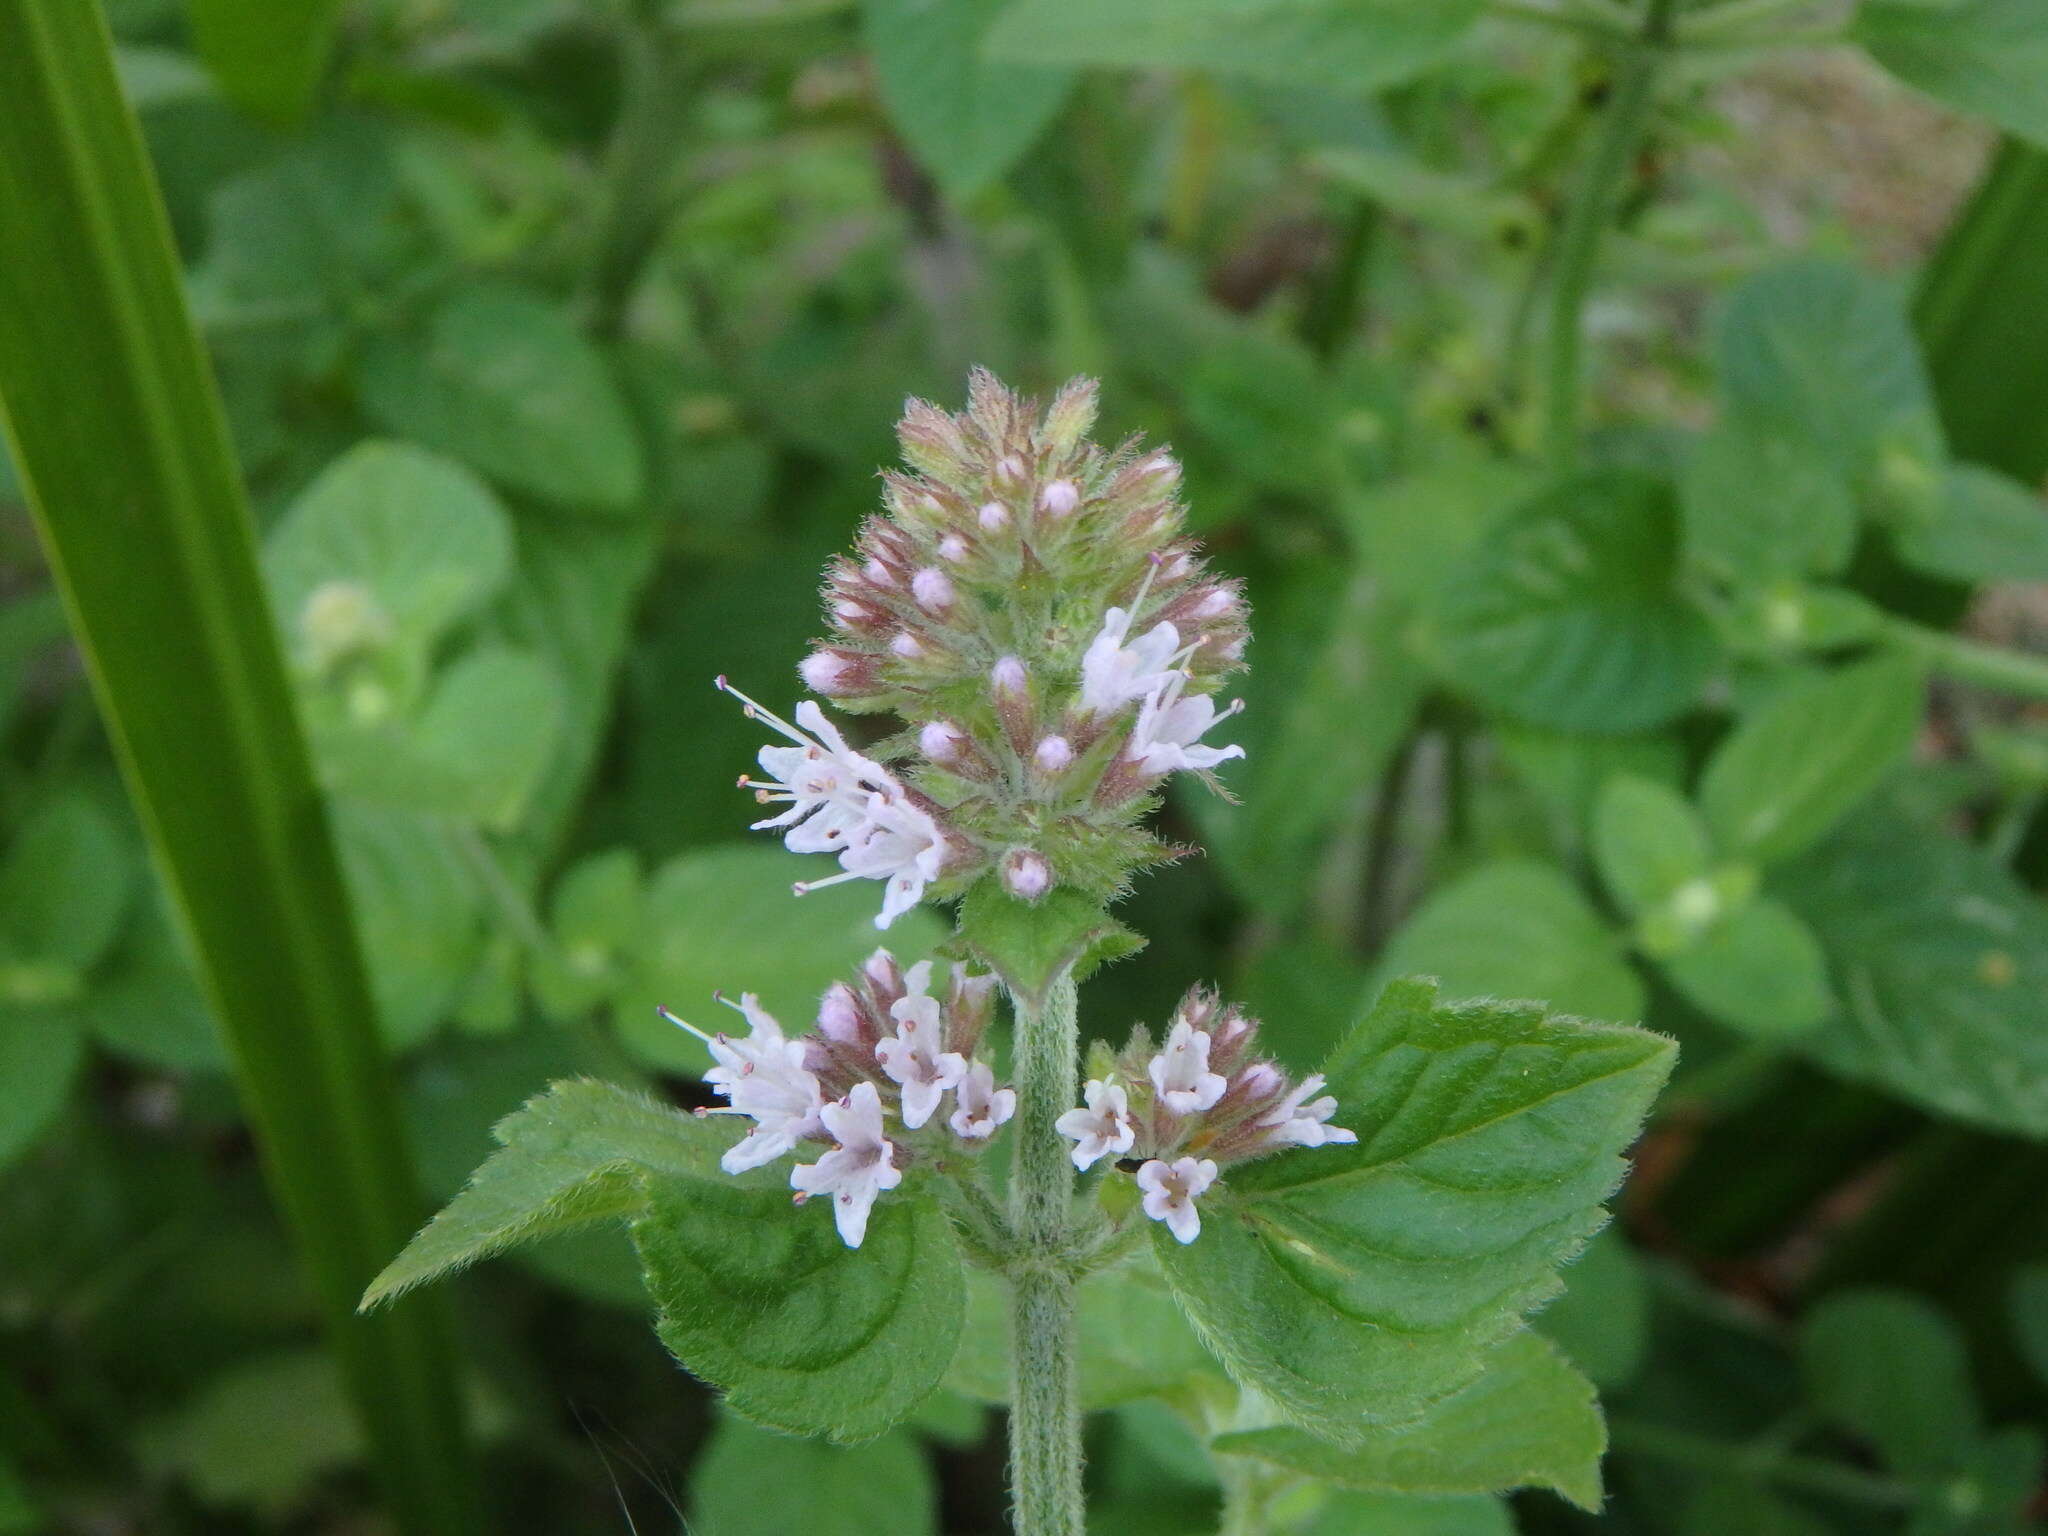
[(417, 911), (1760, 969), (64, 887), (268, 57), (1808, 755), (759, 1297), (1988, 58), (505, 383), (1356, 46), (597, 919), (1602, 1321), (1648, 841), (389, 547), (109, 405), (1823, 353), (1892, 1369), (1515, 929), (1413, 531), (1530, 1420), (1941, 962), (41, 1050), (258, 1434), (1030, 944), (753, 1482), (146, 1003), (1986, 527), (1355, 1286), (2030, 1316), (724, 919), (1569, 615), (964, 116), (1396, 1514), (1760, 502), (570, 1157), (1463, 205), (1722, 1505)]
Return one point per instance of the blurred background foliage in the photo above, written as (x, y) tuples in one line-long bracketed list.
[(1680, 676)]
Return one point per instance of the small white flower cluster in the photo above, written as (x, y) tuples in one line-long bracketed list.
[(1203, 1092), (1151, 672), (886, 1047)]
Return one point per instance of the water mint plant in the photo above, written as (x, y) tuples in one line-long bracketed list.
[(1354, 1250)]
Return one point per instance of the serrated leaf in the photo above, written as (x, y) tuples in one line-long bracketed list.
[(1531, 1420), (1988, 58), (1941, 962), (1985, 527), (760, 1298), (1356, 46), (818, 1489), (503, 382), (1570, 616), (1891, 1368), (965, 117), (1518, 929), (1761, 502), (569, 1157), (1031, 944), (1355, 1286), (1760, 969), (1802, 760), (1648, 841)]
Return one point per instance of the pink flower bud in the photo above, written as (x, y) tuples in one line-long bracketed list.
[(878, 573), (933, 589), (1053, 754), (1162, 469), (1215, 603), (1008, 676), (993, 516), (839, 1013), (881, 972), (1060, 498), (940, 741), (1009, 469), (906, 645), (1259, 1079), (828, 672), (954, 548), (1026, 875)]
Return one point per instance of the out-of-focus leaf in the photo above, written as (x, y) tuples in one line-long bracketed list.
[(1988, 58), (753, 1482), (1530, 1420), (504, 382), (1722, 1505), (1359, 46), (1941, 962), (418, 906), (1802, 760), (1648, 841), (1891, 1368), (258, 1435), (268, 55), (1518, 929), (2030, 1315), (41, 1049), (146, 1004), (597, 919), (1570, 615), (1414, 530), (1355, 1286), (1759, 502), (1464, 206), (965, 116), (1986, 527), (64, 886), (1602, 1321), (1395, 1514), (1760, 969)]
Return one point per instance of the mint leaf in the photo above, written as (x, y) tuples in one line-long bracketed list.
[(1891, 1368), (759, 1297), (1031, 944), (1602, 1321), (1760, 502), (1988, 58), (571, 1156), (1648, 841), (1760, 969), (1984, 526), (1355, 1286), (1796, 764), (818, 1489), (1397, 1514), (1530, 1420), (41, 1051), (1569, 614)]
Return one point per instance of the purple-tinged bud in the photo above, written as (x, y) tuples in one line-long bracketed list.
[(839, 1014), (851, 613), (1011, 687), (1162, 469), (1026, 875), (1060, 499), (906, 645), (1009, 470), (1176, 567), (993, 516), (1215, 603), (1258, 1080), (882, 973), (933, 589), (1054, 754), (941, 740), (1071, 416), (1008, 677), (832, 673), (954, 548), (878, 573), (931, 440)]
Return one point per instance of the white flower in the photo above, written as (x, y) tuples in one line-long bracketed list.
[(1114, 673), (859, 1168), (1171, 1190), (1101, 1130), (764, 1078), (1169, 727), (1181, 1072), (915, 1056), (1296, 1123), (981, 1105), (842, 802)]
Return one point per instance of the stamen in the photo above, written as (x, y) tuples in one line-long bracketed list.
[(684, 1024)]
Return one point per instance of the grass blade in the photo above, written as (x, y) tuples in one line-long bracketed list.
[(117, 431)]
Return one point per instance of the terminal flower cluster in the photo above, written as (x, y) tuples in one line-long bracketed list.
[(870, 1084), (1029, 608), (1202, 1100)]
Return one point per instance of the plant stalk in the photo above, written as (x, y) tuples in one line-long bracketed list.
[(1045, 1402), (2021, 673), (1592, 210)]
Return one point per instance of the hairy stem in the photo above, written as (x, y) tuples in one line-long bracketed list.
[(1592, 210), (1045, 1405)]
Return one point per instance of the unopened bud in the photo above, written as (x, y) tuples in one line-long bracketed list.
[(878, 573), (940, 741), (1060, 498), (1008, 676), (933, 589), (1053, 755), (1026, 875), (880, 970), (1162, 469), (1071, 416), (828, 672), (1009, 469), (1259, 1079), (954, 548), (993, 516), (906, 645), (839, 1013)]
